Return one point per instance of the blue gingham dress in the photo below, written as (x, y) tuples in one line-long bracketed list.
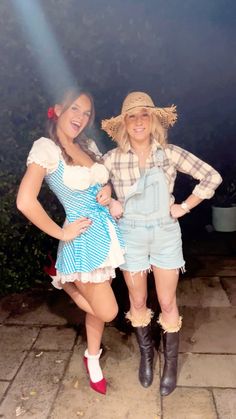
[(93, 255)]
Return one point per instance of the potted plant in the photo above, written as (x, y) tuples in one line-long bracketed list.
[(224, 205)]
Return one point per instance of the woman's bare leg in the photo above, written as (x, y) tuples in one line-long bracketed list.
[(140, 317), (77, 297), (94, 329), (137, 287), (99, 303), (170, 321), (166, 281), (100, 298)]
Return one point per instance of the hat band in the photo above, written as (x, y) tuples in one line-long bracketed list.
[(140, 106)]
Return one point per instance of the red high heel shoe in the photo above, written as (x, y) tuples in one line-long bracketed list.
[(99, 386)]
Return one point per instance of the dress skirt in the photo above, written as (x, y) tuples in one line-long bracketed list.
[(103, 273)]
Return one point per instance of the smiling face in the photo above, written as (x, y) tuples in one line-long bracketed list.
[(73, 119), (138, 126)]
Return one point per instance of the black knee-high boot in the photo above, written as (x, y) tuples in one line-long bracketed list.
[(144, 338), (169, 375)]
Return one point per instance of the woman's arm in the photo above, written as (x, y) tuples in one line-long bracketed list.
[(186, 162), (209, 179), (27, 202)]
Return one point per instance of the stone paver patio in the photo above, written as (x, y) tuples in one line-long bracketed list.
[(42, 375)]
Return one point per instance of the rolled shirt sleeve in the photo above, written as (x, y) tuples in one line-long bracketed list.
[(186, 162)]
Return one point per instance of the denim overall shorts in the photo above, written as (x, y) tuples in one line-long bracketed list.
[(152, 237)]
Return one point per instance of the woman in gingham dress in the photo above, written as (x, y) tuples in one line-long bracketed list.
[(143, 170), (90, 244)]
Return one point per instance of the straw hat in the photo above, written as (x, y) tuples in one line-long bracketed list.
[(167, 116)]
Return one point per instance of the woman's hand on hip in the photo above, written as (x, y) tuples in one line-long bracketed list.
[(76, 228), (176, 211)]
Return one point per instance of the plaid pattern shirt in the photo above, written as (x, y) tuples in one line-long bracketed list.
[(124, 170)]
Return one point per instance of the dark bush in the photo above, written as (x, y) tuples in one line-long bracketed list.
[(23, 248)]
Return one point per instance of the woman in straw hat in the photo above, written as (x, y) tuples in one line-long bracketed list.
[(142, 170)]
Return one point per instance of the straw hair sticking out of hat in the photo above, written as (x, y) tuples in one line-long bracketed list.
[(162, 119)]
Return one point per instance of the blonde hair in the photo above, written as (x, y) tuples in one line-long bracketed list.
[(158, 133), (66, 99)]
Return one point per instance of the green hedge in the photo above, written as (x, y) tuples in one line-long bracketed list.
[(23, 248)]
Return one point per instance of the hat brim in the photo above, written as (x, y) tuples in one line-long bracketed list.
[(167, 117)]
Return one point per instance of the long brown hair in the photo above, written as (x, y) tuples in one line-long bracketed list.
[(66, 99)]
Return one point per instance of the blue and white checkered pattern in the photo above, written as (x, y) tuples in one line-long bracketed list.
[(89, 250)]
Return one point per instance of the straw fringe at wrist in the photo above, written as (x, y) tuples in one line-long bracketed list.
[(169, 328), (140, 321)]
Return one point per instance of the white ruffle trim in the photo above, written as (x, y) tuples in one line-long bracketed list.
[(106, 271), (97, 276)]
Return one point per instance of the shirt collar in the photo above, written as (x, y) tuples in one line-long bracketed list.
[(155, 145)]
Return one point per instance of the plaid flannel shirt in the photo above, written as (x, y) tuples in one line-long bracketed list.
[(124, 170)]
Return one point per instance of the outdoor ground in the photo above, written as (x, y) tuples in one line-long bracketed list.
[(42, 344)]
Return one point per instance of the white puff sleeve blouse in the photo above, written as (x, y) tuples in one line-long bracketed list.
[(47, 154)]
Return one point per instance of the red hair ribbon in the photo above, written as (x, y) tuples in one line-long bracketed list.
[(51, 113)]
